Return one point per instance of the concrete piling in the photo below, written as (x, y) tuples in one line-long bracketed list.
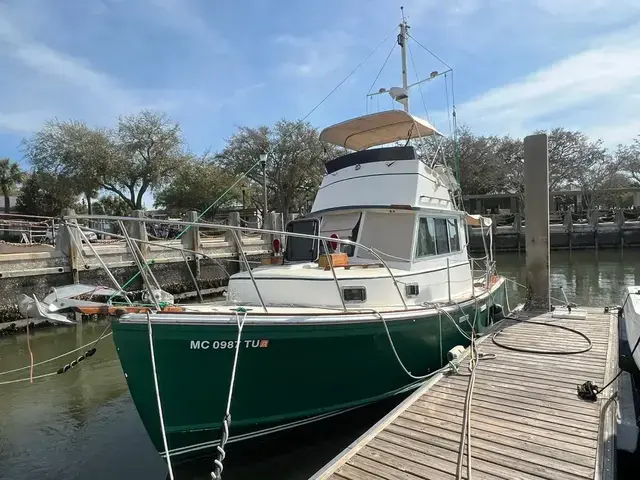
[(536, 188)]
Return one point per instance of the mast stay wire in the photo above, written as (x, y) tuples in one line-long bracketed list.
[(393, 47), (430, 52), (244, 174), (424, 104)]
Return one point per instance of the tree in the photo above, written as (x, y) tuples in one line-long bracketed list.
[(629, 156), (140, 154), (72, 150), (112, 205), (571, 154), (295, 165), (488, 164), (10, 177), (149, 151), (46, 194), (196, 186)]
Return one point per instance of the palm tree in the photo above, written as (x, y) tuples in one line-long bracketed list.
[(10, 176)]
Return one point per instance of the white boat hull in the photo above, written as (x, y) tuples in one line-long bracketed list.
[(631, 312)]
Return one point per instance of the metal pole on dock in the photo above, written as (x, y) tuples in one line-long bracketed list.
[(536, 190)]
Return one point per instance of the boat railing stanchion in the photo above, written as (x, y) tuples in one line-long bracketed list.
[(193, 277), (246, 264), (333, 272), (448, 281), (104, 267), (472, 273), (139, 264)]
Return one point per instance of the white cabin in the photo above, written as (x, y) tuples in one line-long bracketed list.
[(386, 199)]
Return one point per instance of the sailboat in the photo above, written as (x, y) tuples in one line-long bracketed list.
[(372, 289)]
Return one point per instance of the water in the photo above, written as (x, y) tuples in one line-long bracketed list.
[(83, 425)]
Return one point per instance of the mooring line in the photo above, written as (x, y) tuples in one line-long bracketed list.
[(93, 343), (155, 382)]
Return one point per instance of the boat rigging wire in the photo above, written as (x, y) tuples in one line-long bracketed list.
[(258, 162), (413, 62), (393, 47), (430, 52)]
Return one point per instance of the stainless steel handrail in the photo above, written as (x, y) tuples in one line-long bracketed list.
[(244, 229), (333, 272)]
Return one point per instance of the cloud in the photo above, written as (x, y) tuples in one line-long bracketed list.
[(316, 56), (597, 81), (182, 16), (23, 122)]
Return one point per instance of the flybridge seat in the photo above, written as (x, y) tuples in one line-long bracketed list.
[(388, 154)]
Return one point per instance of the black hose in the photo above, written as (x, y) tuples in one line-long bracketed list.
[(544, 352)]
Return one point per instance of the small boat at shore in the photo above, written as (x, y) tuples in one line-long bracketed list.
[(61, 303)]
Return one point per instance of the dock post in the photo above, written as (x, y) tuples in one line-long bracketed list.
[(269, 223), (66, 241), (620, 221), (568, 227), (191, 240), (230, 235), (595, 221), (517, 227), (536, 189), (138, 231)]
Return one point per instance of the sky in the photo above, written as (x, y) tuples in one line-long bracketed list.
[(519, 65)]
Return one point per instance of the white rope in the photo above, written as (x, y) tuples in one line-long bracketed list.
[(448, 315), (562, 302), (226, 421), (395, 352), (28, 378), (155, 382), (58, 357)]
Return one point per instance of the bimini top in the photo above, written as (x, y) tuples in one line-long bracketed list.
[(377, 129)]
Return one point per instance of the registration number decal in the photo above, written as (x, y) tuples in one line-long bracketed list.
[(226, 344)]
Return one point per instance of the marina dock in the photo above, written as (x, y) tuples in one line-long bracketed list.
[(527, 421)]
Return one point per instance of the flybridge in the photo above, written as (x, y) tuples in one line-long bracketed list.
[(377, 129)]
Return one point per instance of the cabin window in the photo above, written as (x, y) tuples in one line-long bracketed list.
[(354, 294), (390, 234), (425, 244), (454, 239), (442, 235)]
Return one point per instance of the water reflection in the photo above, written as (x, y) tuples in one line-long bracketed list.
[(587, 277)]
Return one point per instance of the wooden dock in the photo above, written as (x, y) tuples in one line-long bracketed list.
[(527, 421)]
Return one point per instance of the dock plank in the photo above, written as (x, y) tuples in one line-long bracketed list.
[(527, 421)]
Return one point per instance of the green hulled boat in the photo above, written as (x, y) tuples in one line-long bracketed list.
[(292, 368), (372, 290)]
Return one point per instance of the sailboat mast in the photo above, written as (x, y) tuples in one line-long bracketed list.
[(402, 41)]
